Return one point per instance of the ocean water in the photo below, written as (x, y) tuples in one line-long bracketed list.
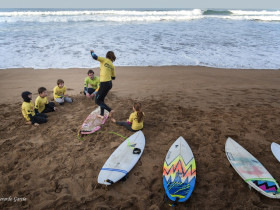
[(62, 38)]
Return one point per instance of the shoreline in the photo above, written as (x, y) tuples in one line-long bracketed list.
[(149, 66)]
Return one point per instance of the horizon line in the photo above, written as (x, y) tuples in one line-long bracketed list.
[(213, 8)]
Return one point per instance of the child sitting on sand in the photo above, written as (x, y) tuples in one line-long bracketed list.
[(136, 119), (59, 93), (94, 82), (42, 105), (28, 111)]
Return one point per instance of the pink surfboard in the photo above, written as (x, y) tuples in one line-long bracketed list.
[(93, 123)]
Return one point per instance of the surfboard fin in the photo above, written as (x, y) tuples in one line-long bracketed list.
[(124, 178), (109, 181)]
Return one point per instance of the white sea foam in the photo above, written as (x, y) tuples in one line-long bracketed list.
[(104, 15), (263, 12), (101, 12), (133, 15), (253, 18), (62, 39)]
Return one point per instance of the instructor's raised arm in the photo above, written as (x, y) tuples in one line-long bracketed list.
[(94, 56)]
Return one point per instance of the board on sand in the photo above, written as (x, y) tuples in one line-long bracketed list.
[(275, 148), (123, 159), (93, 123), (179, 171), (251, 170)]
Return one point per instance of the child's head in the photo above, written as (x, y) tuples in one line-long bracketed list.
[(110, 55), (138, 108), (90, 74), (42, 92), (27, 96), (60, 83)]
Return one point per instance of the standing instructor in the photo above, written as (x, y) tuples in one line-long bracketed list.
[(107, 74)]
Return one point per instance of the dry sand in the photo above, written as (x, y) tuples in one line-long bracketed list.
[(50, 167)]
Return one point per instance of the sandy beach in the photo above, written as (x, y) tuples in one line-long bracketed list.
[(52, 168)]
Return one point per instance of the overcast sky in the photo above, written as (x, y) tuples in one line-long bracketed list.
[(201, 4)]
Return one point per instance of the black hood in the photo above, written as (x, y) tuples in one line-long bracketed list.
[(25, 97)]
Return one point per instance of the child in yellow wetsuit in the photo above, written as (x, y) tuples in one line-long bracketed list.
[(107, 74), (136, 119), (59, 93), (28, 110), (42, 105)]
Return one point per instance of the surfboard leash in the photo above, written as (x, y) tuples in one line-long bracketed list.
[(81, 138), (117, 134), (79, 134), (173, 204), (135, 150)]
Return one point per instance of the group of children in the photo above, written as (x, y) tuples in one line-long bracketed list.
[(100, 87), (36, 114)]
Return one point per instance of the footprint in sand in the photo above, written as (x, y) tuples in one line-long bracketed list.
[(139, 163), (137, 173)]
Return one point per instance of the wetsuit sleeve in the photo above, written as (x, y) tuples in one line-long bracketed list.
[(130, 118), (64, 91), (86, 85), (113, 74), (98, 83), (28, 112), (36, 106), (55, 95), (94, 56), (101, 59), (98, 86)]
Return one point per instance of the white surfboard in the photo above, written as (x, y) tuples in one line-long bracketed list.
[(251, 170), (122, 159), (275, 148), (179, 171)]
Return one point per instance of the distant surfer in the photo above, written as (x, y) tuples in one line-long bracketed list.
[(94, 82), (107, 74)]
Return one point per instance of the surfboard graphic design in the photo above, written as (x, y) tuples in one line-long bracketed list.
[(179, 173), (251, 170)]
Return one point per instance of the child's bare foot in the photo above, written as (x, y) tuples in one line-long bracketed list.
[(111, 113), (100, 116), (113, 120), (28, 123)]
